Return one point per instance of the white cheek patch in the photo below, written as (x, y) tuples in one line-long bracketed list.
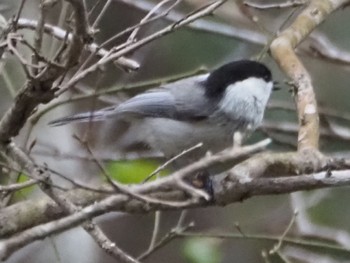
[(246, 92), (229, 100)]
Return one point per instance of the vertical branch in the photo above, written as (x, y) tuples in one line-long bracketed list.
[(80, 34), (38, 36), (282, 49)]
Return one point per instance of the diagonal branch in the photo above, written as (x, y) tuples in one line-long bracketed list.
[(204, 11)]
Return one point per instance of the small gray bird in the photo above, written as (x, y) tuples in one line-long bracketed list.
[(207, 108)]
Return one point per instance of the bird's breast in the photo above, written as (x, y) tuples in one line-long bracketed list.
[(172, 137)]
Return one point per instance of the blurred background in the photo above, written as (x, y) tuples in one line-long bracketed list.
[(230, 34)]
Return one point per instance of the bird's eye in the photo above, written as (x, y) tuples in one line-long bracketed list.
[(267, 77)]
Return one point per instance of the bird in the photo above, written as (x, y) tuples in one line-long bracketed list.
[(208, 108)]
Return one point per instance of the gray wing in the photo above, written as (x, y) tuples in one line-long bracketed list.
[(181, 100), (152, 104), (177, 100)]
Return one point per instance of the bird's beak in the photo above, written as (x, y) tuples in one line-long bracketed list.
[(276, 86)]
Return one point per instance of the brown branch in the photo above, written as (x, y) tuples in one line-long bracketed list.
[(158, 186), (39, 90), (236, 186), (233, 192), (67, 207), (241, 190), (282, 49)]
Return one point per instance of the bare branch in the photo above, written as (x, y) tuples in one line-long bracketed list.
[(282, 49), (324, 48), (92, 47), (276, 248), (307, 228), (170, 161), (286, 4), (252, 174), (39, 89), (157, 186), (18, 186), (241, 190), (107, 245), (101, 14), (287, 240), (208, 9)]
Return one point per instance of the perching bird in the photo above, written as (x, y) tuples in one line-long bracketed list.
[(207, 108)]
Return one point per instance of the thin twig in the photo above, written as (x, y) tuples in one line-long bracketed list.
[(170, 161), (288, 240), (180, 223), (167, 30), (119, 188), (283, 257), (156, 228), (286, 4), (278, 246), (164, 240), (102, 13), (133, 34), (92, 47), (19, 12), (17, 186)]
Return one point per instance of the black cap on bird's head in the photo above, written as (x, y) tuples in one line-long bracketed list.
[(233, 72)]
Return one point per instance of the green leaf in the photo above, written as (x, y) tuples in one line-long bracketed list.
[(202, 250), (25, 192), (131, 172)]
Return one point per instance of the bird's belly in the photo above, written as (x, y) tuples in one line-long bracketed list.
[(172, 137)]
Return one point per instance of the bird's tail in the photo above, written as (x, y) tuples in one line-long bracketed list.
[(84, 117)]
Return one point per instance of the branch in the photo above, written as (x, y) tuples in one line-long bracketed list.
[(39, 89), (234, 187), (282, 49), (269, 173), (204, 11), (287, 240), (324, 48), (86, 197), (239, 191), (331, 53), (286, 4), (61, 34)]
